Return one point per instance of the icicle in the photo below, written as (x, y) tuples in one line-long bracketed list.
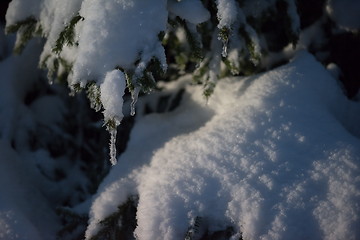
[(50, 77), (224, 49), (134, 96), (113, 132)]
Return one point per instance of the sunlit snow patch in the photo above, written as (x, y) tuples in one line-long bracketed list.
[(275, 156)]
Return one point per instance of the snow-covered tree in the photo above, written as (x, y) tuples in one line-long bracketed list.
[(105, 47), (113, 51)]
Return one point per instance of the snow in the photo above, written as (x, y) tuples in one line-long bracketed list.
[(276, 156), (17, 74), (190, 10), (19, 219), (227, 13), (111, 96), (134, 26), (26, 211), (112, 91), (19, 10)]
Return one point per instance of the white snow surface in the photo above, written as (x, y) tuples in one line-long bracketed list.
[(227, 12), (276, 156), (116, 33), (190, 10), (112, 91), (112, 33)]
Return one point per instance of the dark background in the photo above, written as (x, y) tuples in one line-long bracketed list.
[(3, 6)]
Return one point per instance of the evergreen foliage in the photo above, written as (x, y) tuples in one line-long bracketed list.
[(121, 224), (198, 39), (67, 36), (26, 30)]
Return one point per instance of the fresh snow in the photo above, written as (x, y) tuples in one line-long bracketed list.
[(190, 10), (112, 91), (276, 156), (134, 27), (227, 13)]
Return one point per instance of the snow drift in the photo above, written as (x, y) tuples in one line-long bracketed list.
[(274, 156)]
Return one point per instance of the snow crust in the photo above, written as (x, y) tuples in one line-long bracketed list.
[(275, 156)]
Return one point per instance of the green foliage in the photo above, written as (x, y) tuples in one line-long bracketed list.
[(197, 230), (66, 36), (153, 71), (227, 233), (121, 224), (183, 56), (74, 224), (193, 229), (209, 89), (111, 124), (254, 56), (201, 72), (145, 80), (93, 94), (196, 52), (26, 29)]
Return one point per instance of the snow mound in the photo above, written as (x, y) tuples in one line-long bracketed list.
[(273, 156)]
